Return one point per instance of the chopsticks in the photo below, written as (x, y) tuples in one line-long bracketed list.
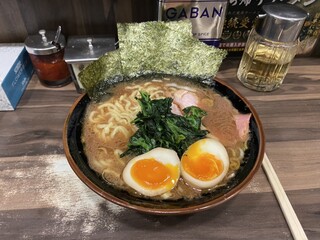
[(286, 207)]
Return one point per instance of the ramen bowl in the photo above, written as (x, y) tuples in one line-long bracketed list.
[(252, 161)]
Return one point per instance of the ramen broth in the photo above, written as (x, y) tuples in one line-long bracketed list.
[(107, 128)]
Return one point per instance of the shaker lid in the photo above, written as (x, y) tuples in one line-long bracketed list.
[(43, 43), (281, 22), (87, 48)]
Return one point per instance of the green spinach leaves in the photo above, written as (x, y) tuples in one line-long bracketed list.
[(159, 127)]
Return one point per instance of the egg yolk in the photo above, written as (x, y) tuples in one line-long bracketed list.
[(204, 166), (152, 174)]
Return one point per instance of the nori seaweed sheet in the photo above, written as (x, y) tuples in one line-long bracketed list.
[(106, 67), (142, 45), (166, 47), (152, 48)]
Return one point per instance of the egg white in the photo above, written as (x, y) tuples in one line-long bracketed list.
[(162, 155), (211, 146)]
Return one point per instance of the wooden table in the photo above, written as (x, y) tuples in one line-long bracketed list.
[(42, 198)]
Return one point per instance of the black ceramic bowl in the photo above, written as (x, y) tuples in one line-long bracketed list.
[(252, 162)]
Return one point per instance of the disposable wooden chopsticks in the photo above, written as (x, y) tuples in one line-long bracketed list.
[(286, 207)]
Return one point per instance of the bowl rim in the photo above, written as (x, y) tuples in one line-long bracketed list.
[(170, 211)]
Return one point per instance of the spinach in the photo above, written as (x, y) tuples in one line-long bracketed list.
[(159, 127)]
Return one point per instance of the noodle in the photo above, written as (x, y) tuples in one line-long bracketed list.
[(234, 164), (108, 128)]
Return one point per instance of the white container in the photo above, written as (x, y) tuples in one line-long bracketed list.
[(15, 73)]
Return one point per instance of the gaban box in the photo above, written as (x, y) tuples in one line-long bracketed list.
[(15, 73)]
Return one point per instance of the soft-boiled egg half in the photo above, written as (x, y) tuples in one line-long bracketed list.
[(153, 173), (205, 163)]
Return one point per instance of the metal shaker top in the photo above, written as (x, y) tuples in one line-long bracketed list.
[(87, 48), (281, 22), (43, 43)]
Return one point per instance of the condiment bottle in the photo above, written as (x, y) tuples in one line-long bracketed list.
[(82, 50), (271, 47), (46, 51)]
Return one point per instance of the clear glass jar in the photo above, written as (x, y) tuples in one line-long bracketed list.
[(48, 58), (51, 69), (265, 63), (271, 46)]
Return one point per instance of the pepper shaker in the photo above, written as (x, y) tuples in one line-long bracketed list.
[(271, 47)]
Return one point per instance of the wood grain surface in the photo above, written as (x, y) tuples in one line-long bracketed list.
[(42, 198), (18, 19)]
